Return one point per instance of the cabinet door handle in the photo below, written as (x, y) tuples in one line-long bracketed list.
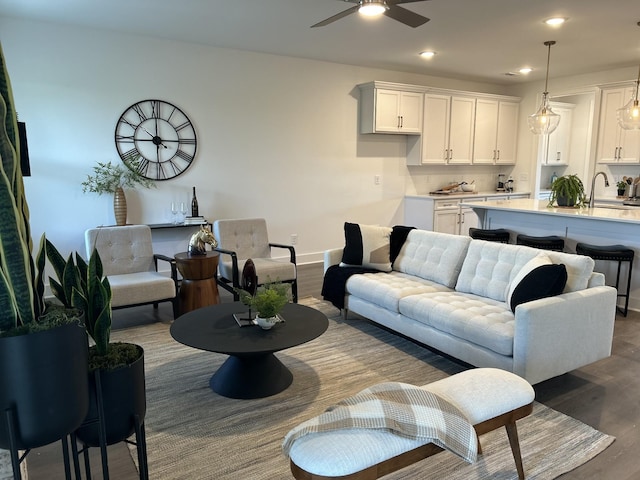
[(401, 121), (498, 156), (558, 154), (617, 157), (450, 153)]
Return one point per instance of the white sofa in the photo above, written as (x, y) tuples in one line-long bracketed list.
[(450, 292)]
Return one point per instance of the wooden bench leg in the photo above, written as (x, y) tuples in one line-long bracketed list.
[(512, 433)]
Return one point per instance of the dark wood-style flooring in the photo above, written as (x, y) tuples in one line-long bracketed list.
[(605, 395)]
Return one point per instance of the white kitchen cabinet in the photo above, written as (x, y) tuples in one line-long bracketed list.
[(554, 149), (616, 145), (389, 110), (445, 215), (496, 129), (448, 128)]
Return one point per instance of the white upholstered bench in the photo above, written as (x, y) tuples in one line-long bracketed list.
[(489, 397)]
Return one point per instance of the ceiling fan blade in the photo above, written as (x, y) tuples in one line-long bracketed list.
[(338, 16), (405, 16)]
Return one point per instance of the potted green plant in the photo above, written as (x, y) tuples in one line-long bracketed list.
[(117, 393), (268, 301), (43, 349), (112, 179), (567, 191), (622, 187)]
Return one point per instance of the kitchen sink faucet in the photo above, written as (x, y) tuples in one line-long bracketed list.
[(593, 184)]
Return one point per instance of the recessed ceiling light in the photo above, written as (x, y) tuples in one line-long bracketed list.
[(427, 54), (555, 21), (525, 70)]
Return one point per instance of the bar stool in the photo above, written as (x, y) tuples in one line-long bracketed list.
[(616, 253), (551, 242), (497, 235)]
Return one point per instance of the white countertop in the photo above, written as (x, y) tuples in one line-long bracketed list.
[(466, 195), (611, 213)]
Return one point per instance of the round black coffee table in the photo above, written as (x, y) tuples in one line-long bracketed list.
[(252, 370)]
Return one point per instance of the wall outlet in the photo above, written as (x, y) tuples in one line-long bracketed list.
[(294, 239), (524, 177), (376, 179)]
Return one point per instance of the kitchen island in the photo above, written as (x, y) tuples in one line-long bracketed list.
[(604, 224)]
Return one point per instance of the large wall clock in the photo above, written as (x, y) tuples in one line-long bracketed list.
[(156, 138)]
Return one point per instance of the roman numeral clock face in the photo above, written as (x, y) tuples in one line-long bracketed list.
[(156, 138)]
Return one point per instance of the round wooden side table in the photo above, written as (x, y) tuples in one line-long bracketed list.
[(199, 288)]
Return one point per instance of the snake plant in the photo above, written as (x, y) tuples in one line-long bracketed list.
[(20, 288)]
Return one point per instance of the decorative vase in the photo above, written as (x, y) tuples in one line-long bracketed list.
[(266, 323), (120, 206)]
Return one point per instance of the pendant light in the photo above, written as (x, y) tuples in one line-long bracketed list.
[(629, 115), (544, 121)]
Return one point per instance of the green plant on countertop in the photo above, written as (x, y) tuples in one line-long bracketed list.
[(269, 299), (108, 177), (621, 185), (567, 191)]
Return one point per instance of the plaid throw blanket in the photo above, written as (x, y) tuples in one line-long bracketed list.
[(399, 408)]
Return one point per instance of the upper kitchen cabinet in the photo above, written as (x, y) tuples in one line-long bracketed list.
[(390, 108), (496, 130), (447, 136), (616, 145), (554, 148)]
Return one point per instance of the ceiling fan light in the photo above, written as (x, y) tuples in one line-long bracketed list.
[(629, 115), (427, 54), (372, 8)]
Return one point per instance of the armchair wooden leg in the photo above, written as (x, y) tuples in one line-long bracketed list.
[(512, 433)]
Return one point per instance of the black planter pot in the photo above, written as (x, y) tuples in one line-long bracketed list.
[(123, 398), (43, 385), (565, 201)]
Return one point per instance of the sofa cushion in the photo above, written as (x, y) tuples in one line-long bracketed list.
[(489, 268), (432, 256), (541, 282), (483, 321), (386, 289), (366, 246)]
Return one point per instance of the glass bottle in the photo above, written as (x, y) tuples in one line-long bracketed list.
[(194, 204)]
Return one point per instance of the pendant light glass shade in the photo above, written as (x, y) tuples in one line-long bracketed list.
[(545, 120), (629, 115)]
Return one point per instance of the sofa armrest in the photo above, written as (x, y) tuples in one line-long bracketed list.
[(558, 334), (332, 257)]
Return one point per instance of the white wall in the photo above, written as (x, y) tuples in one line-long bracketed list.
[(277, 136)]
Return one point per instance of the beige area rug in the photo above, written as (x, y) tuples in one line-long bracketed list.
[(194, 433)]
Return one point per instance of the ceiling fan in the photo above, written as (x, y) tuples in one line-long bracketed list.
[(389, 8)]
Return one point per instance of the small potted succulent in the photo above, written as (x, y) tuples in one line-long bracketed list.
[(567, 191)]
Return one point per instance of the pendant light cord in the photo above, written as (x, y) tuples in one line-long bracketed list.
[(546, 80)]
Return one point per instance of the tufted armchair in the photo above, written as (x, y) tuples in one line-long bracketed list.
[(131, 266), (244, 239)]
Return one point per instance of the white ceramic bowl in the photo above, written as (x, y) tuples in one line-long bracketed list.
[(467, 187)]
